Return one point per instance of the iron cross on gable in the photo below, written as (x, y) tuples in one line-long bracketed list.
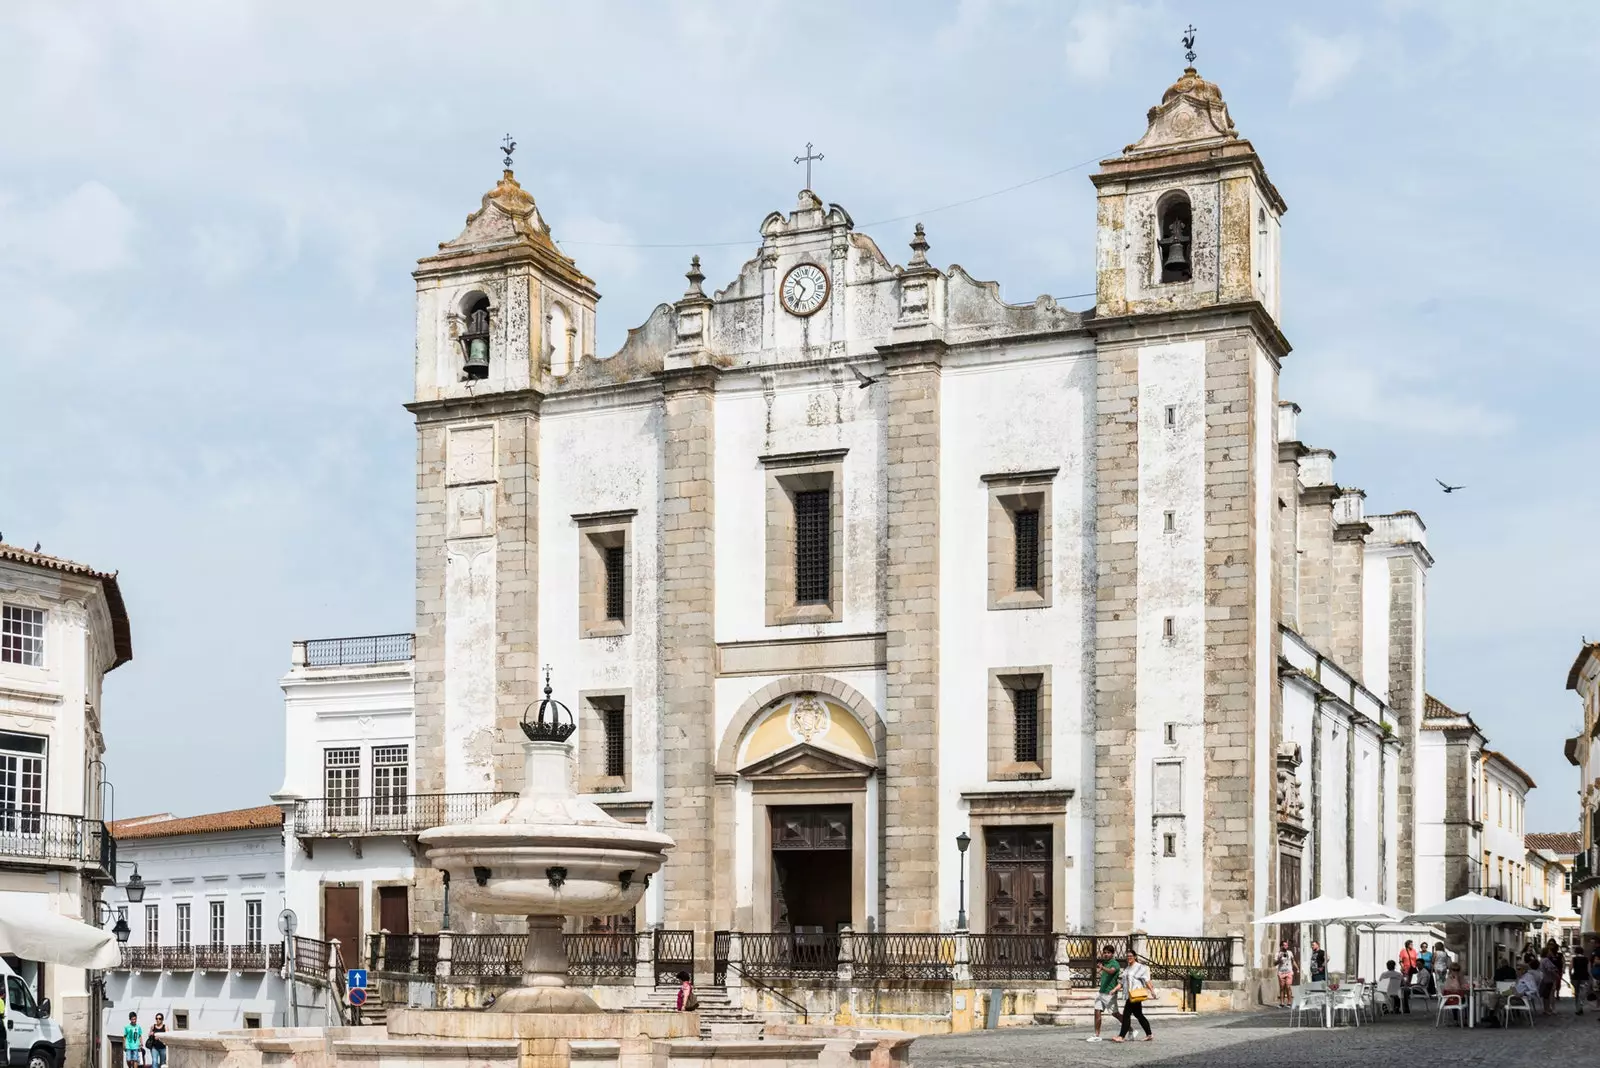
[(806, 159), (1188, 43)]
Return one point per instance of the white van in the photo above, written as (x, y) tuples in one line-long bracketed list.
[(32, 1039)]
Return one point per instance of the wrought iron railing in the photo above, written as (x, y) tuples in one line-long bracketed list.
[(788, 955), (333, 817), (249, 958), (354, 652), (600, 956), (54, 838), (1012, 956), (1179, 957), (674, 953), (141, 958), (177, 958), (1083, 956), (486, 958), (211, 958), (904, 956), (311, 956), (410, 956), (721, 941)]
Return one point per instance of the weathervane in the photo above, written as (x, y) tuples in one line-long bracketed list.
[(1188, 43), (806, 159), (508, 146)]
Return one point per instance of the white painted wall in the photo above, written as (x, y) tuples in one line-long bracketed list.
[(1169, 891), (1430, 808)]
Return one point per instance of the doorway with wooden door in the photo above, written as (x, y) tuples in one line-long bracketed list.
[(1019, 891), (394, 921), (341, 919)]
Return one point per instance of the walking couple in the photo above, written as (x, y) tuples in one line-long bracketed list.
[(1130, 978)]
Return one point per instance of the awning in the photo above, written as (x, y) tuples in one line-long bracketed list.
[(34, 933)]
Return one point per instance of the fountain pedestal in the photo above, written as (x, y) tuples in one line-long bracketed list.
[(546, 855)]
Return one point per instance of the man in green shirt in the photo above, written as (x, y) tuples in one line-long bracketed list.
[(132, 1040), (1106, 1000)]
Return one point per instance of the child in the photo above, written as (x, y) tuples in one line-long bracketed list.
[(132, 1041)]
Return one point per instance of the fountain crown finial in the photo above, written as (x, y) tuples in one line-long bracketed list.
[(553, 722)]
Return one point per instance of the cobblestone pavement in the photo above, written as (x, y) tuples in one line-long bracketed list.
[(1265, 1038)]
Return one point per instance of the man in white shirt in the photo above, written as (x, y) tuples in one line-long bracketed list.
[(1391, 983), (1528, 985)]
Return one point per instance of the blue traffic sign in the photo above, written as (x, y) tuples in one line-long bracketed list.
[(357, 995), (356, 978)]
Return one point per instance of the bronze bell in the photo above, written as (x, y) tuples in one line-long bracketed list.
[(475, 343), (1177, 245)]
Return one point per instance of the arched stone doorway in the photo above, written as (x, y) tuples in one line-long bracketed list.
[(803, 773)]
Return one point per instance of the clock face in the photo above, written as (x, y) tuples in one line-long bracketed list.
[(805, 289)]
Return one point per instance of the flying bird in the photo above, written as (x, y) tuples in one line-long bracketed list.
[(36, 545), (1447, 487), (864, 380)]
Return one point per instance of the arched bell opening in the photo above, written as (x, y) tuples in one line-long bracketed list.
[(1175, 237)]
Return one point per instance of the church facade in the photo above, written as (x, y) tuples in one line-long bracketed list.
[(850, 558)]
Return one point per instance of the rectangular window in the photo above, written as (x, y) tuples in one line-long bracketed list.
[(219, 930), (252, 923), (1171, 731), (1169, 522), (1169, 627), (1025, 527), (616, 742), (180, 1020), (813, 548), (22, 768), (252, 1020), (22, 635), (1169, 845), (183, 924), (616, 575), (1025, 726), (1168, 788), (1170, 415), (342, 780), (389, 780), (152, 925)]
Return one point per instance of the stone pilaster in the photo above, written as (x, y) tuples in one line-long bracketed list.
[(1405, 700), (688, 645), (910, 881), (1116, 479), (1347, 613), (1314, 612), (1235, 553)]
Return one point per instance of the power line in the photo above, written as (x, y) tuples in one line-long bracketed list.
[(862, 226)]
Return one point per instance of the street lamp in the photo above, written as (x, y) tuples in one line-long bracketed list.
[(134, 887), (963, 840)]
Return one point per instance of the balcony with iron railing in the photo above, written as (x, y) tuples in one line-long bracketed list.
[(388, 814), (364, 651), (206, 957), (31, 838)]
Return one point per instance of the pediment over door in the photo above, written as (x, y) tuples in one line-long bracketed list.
[(805, 762)]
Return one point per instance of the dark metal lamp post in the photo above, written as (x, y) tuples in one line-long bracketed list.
[(134, 887), (963, 840)]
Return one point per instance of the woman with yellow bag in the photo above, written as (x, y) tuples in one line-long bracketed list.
[(1136, 990)]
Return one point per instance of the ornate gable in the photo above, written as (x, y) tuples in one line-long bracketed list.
[(1191, 112), (806, 761)]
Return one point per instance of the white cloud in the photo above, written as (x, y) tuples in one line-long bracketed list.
[(88, 231), (1399, 401), (1322, 63)]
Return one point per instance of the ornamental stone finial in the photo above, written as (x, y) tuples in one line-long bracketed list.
[(919, 247), (695, 277)]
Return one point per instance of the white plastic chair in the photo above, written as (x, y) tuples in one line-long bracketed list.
[(1513, 1002), (1451, 1003), (1306, 1000), (1421, 991), (1347, 1000)]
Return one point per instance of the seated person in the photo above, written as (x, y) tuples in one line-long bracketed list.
[(1390, 983), (1505, 972), (1528, 985), (1456, 983)]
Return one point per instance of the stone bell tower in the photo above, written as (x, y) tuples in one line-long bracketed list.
[(500, 311), (1188, 346)]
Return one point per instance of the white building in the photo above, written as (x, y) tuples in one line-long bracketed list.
[(349, 798), (205, 949), (62, 628), (1549, 883), (1583, 754), (1505, 854)]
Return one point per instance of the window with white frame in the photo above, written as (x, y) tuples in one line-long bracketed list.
[(389, 767), (22, 768), (22, 635), (219, 924), (341, 771), (182, 925), (152, 925), (252, 923)]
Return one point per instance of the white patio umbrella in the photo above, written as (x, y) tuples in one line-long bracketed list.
[(37, 934), (1475, 911), (1347, 912)]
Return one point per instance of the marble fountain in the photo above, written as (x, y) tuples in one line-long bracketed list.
[(544, 855)]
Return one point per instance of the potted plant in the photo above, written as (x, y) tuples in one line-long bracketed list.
[(1196, 982)]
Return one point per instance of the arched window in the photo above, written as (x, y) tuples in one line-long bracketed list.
[(1174, 240), (475, 339)]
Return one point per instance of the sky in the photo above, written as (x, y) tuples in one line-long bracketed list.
[(209, 213)]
